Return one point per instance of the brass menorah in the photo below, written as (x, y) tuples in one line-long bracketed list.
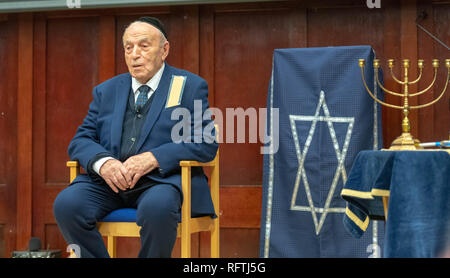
[(406, 140)]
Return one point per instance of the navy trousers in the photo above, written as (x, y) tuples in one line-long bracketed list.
[(80, 206)]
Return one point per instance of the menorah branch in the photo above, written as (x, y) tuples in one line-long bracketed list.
[(437, 99), (376, 99), (395, 78), (383, 88), (417, 79), (427, 88)]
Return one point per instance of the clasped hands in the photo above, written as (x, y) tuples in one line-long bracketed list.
[(125, 175)]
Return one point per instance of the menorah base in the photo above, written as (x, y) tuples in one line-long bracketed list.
[(405, 142)]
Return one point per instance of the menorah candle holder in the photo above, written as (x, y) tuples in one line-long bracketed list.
[(405, 141)]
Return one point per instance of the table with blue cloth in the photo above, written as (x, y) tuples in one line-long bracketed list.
[(416, 185)]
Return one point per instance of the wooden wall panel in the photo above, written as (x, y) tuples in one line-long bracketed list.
[(408, 43), (441, 16), (2, 241), (342, 26), (8, 133), (240, 206), (72, 45), (434, 122), (359, 25), (391, 49), (65, 75), (54, 60), (24, 120), (243, 45), (106, 49), (239, 243)]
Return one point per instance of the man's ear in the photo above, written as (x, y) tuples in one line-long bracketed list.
[(166, 48)]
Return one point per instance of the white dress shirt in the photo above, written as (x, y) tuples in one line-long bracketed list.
[(135, 85)]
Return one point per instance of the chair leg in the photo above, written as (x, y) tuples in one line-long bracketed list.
[(186, 212), (186, 246), (112, 246), (215, 239), (385, 206)]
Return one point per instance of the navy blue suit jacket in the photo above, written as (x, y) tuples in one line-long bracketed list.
[(101, 132)]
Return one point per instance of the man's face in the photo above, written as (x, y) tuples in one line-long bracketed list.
[(144, 51)]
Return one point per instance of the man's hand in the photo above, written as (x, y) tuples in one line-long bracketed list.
[(116, 175), (139, 165)]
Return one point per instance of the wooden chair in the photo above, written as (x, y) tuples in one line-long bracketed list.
[(188, 225)]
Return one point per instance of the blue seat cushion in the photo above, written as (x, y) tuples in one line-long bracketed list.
[(121, 215)]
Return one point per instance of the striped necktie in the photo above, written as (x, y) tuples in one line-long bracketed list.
[(142, 97)]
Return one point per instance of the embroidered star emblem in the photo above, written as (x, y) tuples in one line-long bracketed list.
[(301, 156)]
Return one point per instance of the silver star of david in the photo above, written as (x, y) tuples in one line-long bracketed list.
[(301, 155)]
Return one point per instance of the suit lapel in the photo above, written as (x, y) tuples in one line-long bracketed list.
[(156, 107), (120, 105)]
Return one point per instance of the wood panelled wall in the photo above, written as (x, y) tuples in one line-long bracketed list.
[(50, 61)]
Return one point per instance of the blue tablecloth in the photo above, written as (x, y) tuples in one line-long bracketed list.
[(418, 186)]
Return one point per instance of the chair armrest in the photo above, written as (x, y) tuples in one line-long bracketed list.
[(72, 163), (192, 163), (74, 167)]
